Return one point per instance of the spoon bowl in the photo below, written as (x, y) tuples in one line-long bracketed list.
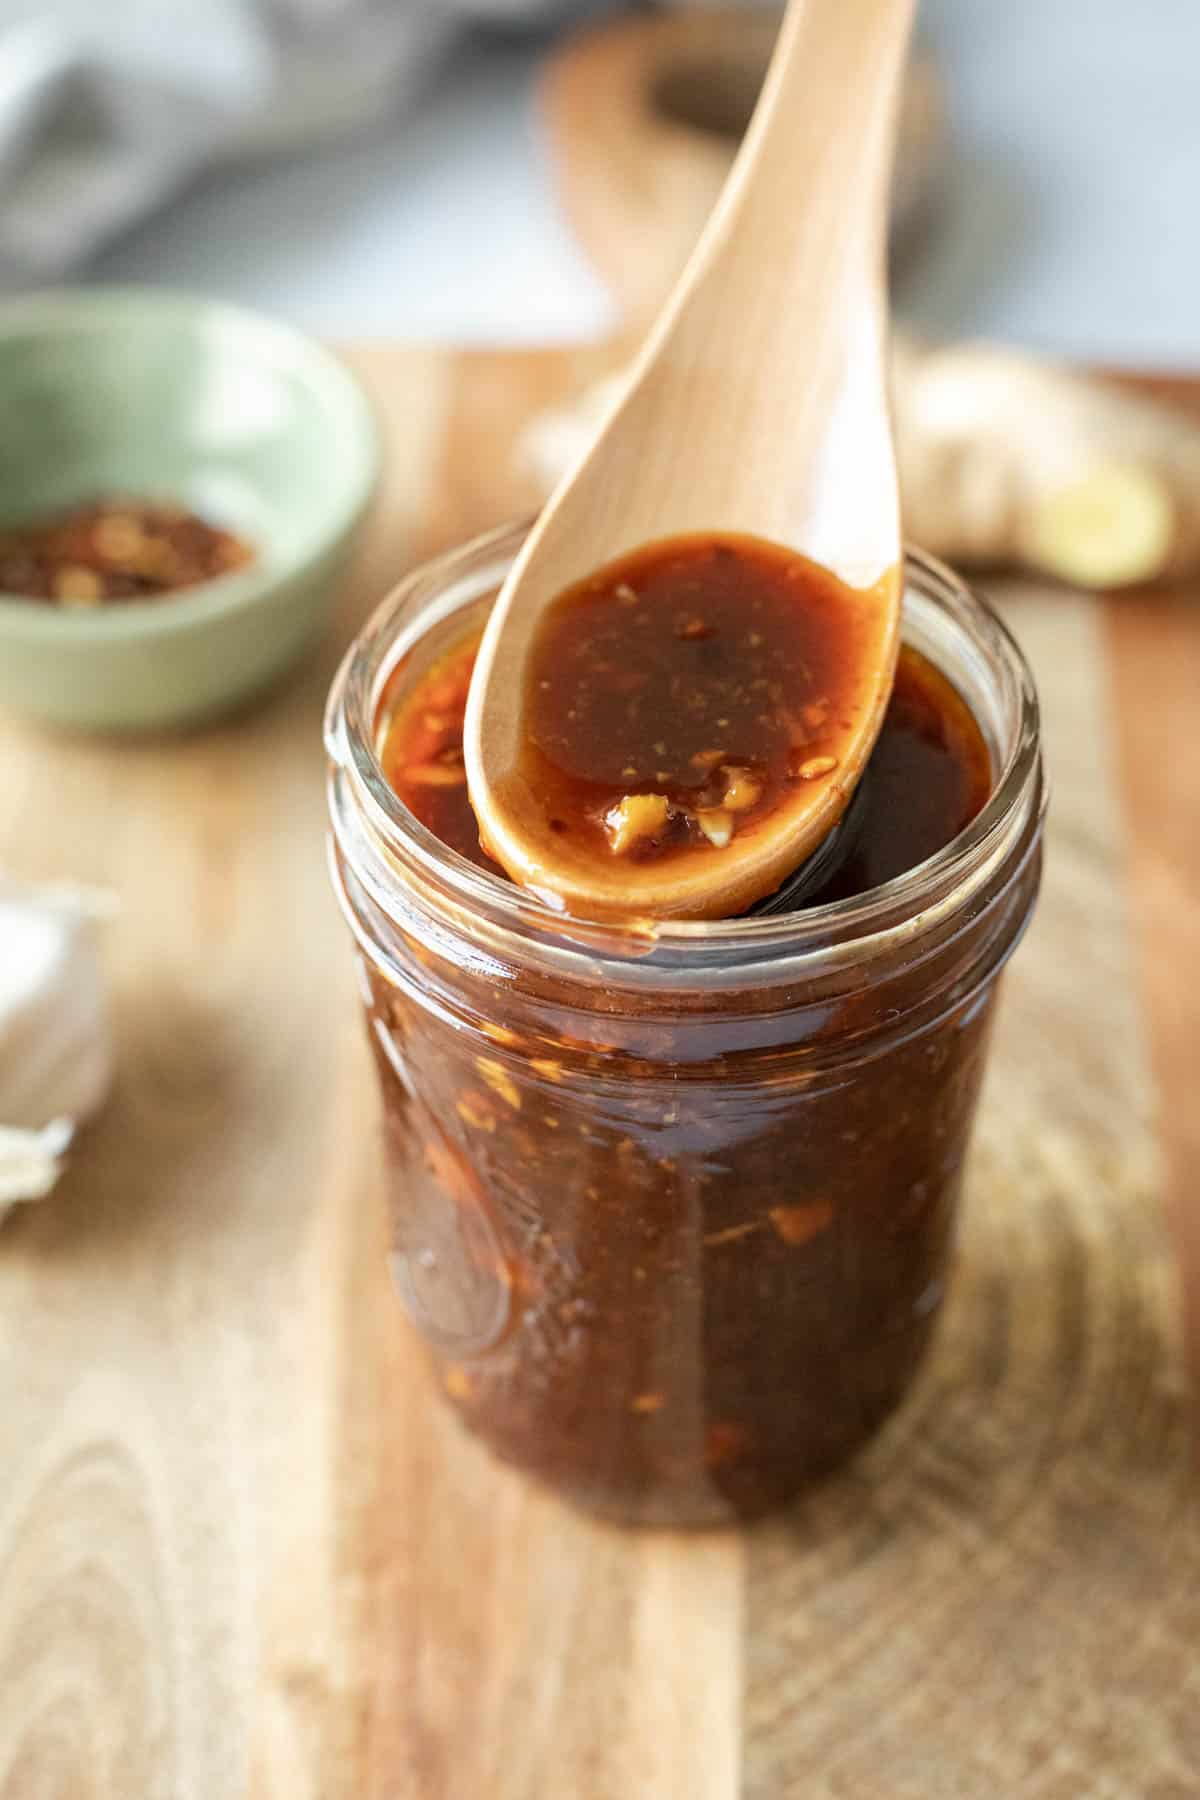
[(758, 407)]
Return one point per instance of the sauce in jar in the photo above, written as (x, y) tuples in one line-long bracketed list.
[(928, 776), (675, 1216)]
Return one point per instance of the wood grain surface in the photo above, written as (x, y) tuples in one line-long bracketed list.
[(243, 1552)]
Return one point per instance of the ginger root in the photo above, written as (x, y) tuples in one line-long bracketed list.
[(1006, 460)]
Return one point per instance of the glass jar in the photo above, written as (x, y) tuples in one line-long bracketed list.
[(673, 1207)]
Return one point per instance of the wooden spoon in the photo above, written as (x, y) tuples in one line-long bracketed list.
[(758, 405)]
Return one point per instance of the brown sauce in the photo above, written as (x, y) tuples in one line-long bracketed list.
[(677, 1267), (929, 775), (682, 694)]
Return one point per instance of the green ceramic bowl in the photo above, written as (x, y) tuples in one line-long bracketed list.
[(243, 420)]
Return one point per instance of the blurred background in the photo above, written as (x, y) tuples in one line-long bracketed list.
[(392, 168)]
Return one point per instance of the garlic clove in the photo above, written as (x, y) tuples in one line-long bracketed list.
[(31, 1161), (56, 1055)]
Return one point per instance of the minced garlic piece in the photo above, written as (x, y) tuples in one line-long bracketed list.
[(741, 791), (635, 817), (815, 766), (716, 825)]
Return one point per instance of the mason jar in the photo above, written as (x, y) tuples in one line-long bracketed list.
[(673, 1206)]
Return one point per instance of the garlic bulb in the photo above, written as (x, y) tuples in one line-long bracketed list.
[(55, 1039)]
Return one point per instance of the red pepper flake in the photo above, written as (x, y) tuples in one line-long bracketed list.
[(116, 549), (724, 1442), (798, 1224)]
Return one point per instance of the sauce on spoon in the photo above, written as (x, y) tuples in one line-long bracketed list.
[(929, 774), (679, 697)]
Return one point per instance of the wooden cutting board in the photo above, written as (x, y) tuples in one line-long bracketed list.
[(244, 1553)]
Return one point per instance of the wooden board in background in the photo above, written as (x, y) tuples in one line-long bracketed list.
[(244, 1553), (642, 115)]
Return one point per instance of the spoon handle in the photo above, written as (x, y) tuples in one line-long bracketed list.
[(794, 258), (827, 111)]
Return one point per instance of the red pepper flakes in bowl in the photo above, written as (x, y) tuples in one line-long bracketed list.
[(116, 549)]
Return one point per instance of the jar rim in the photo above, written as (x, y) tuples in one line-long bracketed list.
[(506, 918)]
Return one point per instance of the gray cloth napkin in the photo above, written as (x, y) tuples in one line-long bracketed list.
[(107, 107)]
